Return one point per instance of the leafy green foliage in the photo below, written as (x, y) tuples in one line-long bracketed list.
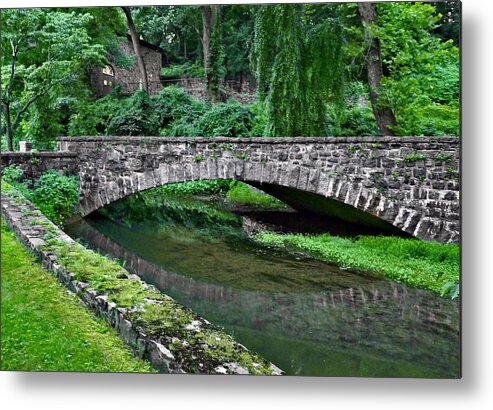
[(225, 119), (55, 195), (414, 157), (242, 193), (135, 117), (12, 174), (184, 70), (238, 26), (94, 117), (297, 58), (197, 187), (177, 30), (355, 117), (39, 76), (423, 80), (431, 266), (172, 112)]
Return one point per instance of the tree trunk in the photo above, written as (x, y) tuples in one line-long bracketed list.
[(137, 50), (206, 12), (8, 126), (384, 115), (214, 53)]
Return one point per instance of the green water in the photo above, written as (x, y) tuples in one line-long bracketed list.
[(307, 317)]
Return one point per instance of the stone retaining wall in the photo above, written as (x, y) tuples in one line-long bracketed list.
[(32, 229), (35, 163)]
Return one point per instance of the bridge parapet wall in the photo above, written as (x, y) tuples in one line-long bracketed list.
[(410, 182), (35, 163)]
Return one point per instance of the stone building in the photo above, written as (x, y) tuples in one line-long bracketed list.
[(103, 79)]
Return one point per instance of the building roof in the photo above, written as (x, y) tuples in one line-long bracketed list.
[(146, 44)]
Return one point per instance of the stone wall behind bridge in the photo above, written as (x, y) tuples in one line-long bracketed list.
[(35, 163), (410, 182)]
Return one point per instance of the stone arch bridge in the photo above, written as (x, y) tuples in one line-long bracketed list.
[(410, 184)]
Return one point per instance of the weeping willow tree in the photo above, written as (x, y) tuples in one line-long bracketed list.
[(297, 59)]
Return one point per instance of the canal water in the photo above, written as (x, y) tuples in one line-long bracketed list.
[(306, 316)]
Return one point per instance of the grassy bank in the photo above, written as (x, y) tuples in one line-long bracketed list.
[(241, 193), (235, 191), (44, 328), (425, 265), (197, 346)]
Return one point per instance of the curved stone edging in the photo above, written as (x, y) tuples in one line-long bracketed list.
[(16, 211)]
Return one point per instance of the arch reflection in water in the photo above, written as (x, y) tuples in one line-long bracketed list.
[(306, 316)]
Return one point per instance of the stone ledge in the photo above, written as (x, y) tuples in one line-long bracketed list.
[(264, 140), (16, 210), (42, 154)]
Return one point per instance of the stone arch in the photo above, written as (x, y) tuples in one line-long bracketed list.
[(410, 183), (349, 200)]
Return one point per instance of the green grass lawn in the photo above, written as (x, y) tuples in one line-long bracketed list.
[(44, 328), (431, 266)]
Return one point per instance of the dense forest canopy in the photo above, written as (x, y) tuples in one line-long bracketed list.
[(318, 69)]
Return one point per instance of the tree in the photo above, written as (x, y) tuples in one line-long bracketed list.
[(213, 51), (43, 52), (137, 49), (421, 82), (237, 28), (176, 29), (448, 27), (383, 114), (298, 62)]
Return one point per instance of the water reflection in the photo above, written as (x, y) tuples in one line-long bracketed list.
[(306, 316)]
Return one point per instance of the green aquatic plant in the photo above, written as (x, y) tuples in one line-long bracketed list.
[(417, 263)]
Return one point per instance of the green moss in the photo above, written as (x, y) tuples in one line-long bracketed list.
[(414, 157), (219, 345), (442, 157), (156, 314)]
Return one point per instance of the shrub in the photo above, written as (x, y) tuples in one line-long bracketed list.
[(186, 69), (12, 174), (229, 119), (55, 195), (136, 116), (356, 117), (93, 118), (173, 104), (172, 112), (355, 120)]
